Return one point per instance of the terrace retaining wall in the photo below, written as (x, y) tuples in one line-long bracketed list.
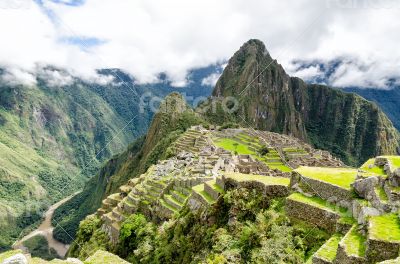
[(313, 215)]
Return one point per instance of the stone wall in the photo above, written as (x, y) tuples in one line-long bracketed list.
[(381, 250), (326, 191), (313, 215), (267, 190), (343, 258)]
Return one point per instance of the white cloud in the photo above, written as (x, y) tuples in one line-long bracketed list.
[(211, 80), (146, 37), (16, 76)]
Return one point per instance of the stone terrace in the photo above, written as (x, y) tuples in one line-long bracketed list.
[(357, 207)]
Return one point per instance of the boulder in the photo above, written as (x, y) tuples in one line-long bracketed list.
[(16, 259), (365, 187), (365, 213), (395, 178)]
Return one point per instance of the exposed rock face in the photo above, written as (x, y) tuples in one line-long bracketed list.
[(16, 259), (269, 99), (365, 187)]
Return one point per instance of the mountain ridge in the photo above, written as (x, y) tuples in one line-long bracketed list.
[(269, 99)]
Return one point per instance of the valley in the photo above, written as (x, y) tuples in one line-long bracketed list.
[(46, 230)]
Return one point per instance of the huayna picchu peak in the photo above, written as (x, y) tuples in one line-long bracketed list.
[(345, 124)]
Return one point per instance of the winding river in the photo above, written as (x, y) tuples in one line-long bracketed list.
[(46, 229)]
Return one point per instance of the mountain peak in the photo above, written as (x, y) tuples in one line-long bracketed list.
[(254, 46)]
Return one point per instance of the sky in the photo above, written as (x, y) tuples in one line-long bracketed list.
[(356, 41)]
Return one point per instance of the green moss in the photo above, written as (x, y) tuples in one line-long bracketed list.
[(341, 177), (267, 180), (328, 250), (385, 227), (354, 242)]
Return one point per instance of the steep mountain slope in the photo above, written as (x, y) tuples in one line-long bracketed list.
[(349, 126), (388, 100), (173, 118), (49, 141), (54, 138)]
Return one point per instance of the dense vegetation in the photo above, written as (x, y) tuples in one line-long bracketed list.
[(39, 247), (54, 138), (172, 120), (242, 227), (388, 100)]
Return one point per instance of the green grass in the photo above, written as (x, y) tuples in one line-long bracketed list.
[(348, 220), (233, 145), (104, 257), (243, 149), (294, 150), (354, 242), (328, 250), (200, 190), (381, 194), (317, 202), (385, 227), (374, 169), (167, 205), (215, 186), (394, 161), (267, 180), (281, 167), (341, 177)]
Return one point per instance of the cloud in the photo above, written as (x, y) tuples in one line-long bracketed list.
[(16, 76), (211, 79), (148, 37)]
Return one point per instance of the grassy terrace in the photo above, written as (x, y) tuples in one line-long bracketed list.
[(200, 190), (385, 227), (328, 250), (374, 169), (319, 203), (215, 186), (267, 180), (341, 177), (354, 242), (394, 161), (245, 149)]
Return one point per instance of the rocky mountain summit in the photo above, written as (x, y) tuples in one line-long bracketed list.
[(345, 124)]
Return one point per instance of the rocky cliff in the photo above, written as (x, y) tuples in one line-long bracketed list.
[(349, 126)]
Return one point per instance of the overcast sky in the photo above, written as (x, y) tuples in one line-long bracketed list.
[(146, 37)]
